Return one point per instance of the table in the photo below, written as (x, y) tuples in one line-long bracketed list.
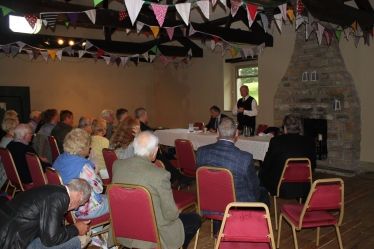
[(257, 146)]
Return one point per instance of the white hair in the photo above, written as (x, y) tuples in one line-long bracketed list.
[(80, 185), (107, 112), (21, 130), (35, 113), (145, 143)]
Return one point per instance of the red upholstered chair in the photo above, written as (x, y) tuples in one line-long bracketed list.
[(36, 170), (261, 128), (54, 178), (296, 170), (54, 148), (325, 195), (249, 226), (200, 125), (109, 157), (183, 200), (12, 173), (186, 157), (215, 190), (132, 213)]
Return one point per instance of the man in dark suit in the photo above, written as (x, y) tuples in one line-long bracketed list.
[(62, 128), (216, 117), (141, 114), (281, 148), (225, 154)]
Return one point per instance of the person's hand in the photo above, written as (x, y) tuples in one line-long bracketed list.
[(135, 130), (83, 227), (241, 109)]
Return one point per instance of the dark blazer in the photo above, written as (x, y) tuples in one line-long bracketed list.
[(225, 154), (18, 151), (280, 149), (144, 127), (37, 212), (59, 133), (212, 122)]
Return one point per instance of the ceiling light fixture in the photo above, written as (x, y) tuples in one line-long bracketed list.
[(71, 43), (84, 44), (60, 41)]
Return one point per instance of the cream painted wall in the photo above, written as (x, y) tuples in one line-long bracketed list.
[(79, 85)]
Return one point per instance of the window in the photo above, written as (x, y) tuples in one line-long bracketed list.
[(248, 76)]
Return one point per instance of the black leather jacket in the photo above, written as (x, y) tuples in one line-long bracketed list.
[(37, 212)]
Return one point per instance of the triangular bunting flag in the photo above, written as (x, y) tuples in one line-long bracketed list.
[(212, 44), (283, 9), (245, 52), (265, 22), (88, 45), (107, 59), (139, 26), (183, 29), (31, 55), (31, 19), (356, 40), (328, 35), (192, 31), (50, 19), (214, 2), (252, 12), (59, 54), (260, 48), (6, 49), (366, 36), (14, 50), (299, 21), (155, 30), (45, 55), (118, 61), (358, 31), (294, 5), (290, 14), (122, 15), (124, 61), (310, 18), (242, 54), (91, 14), (128, 31), (300, 7), (346, 33), (67, 24), (145, 55), (216, 39), (45, 23), (5, 10), (20, 45), (72, 17), (233, 53), (354, 26), (278, 20), (112, 58), (96, 2), (225, 46), (69, 50), (52, 53), (184, 60), (135, 59), (251, 52), (164, 60), (35, 53), (204, 6), (151, 57), (320, 33), (128, 61), (269, 12), (133, 8), (189, 53), (160, 12), (235, 4), (184, 11), (176, 64), (224, 3), (338, 33), (154, 49), (308, 30), (81, 53), (99, 53), (146, 33), (158, 52), (170, 32), (371, 33)]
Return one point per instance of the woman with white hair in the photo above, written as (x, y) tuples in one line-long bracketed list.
[(73, 164), (8, 125)]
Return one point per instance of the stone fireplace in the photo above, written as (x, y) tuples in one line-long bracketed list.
[(315, 78)]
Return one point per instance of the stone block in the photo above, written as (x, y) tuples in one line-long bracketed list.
[(319, 63), (306, 108), (333, 126), (347, 136), (344, 164), (302, 64), (332, 144), (285, 78), (336, 76), (286, 84), (351, 127), (337, 61), (292, 71), (278, 100), (305, 57), (324, 83), (283, 92), (284, 108), (329, 117), (335, 154), (342, 117), (321, 108), (294, 108), (324, 76), (332, 135), (295, 77), (325, 100), (351, 145), (336, 90), (306, 100)]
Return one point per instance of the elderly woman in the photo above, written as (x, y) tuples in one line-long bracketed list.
[(73, 164), (122, 140), (8, 125), (98, 141)]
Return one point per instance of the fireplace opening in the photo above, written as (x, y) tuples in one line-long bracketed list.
[(317, 130)]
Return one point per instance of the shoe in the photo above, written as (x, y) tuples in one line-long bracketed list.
[(175, 185), (186, 181)]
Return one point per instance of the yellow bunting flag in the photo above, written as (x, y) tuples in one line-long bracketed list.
[(290, 14), (155, 30), (233, 52), (52, 53), (354, 25)]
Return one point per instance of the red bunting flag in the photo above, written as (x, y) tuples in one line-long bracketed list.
[(122, 15), (146, 33), (252, 10), (31, 19), (300, 7), (216, 39), (99, 53)]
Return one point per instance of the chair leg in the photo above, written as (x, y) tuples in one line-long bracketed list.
[(14, 191), (7, 186), (196, 239), (275, 213), (294, 236), (211, 228), (279, 230), (318, 232), (339, 237)]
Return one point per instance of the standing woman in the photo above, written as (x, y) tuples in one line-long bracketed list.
[(98, 141), (122, 140)]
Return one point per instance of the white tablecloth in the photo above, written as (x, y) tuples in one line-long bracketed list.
[(257, 146)]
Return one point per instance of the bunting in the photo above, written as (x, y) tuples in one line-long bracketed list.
[(14, 50), (320, 33), (338, 33), (5, 10), (300, 7), (133, 8), (269, 12), (160, 12), (204, 6), (45, 55), (31, 19), (122, 15), (328, 35), (170, 32), (20, 45), (107, 60), (265, 22), (308, 31), (278, 20), (52, 53), (235, 4), (31, 55), (290, 14), (72, 17), (139, 26), (91, 14), (49, 19), (145, 55), (283, 9), (155, 30), (184, 11), (59, 54)]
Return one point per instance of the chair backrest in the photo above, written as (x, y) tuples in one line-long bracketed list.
[(159, 164), (10, 168), (109, 157), (199, 124), (246, 222), (325, 194), (215, 189), (132, 214), (296, 170), (54, 149), (53, 176), (261, 128), (36, 170), (186, 156)]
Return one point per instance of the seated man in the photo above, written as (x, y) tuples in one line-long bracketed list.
[(50, 119), (216, 117), (121, 114), (35, 117), (281, 148), (225, 154), (19, 147), (108, 116), (141, 114), (175, 229), (62, 128), (33, 218)]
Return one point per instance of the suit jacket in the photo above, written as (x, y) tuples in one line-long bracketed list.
[(225, 154), (141, 171), (144, 127), (37, 212), (212, 122), (59, 133), (280, 149)]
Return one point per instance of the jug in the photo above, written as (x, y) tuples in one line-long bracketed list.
[(247, 131), (190, 128)]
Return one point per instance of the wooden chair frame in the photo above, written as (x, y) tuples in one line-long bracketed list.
[(132, 186), (306, 206), (246, 204), (280, 183)]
